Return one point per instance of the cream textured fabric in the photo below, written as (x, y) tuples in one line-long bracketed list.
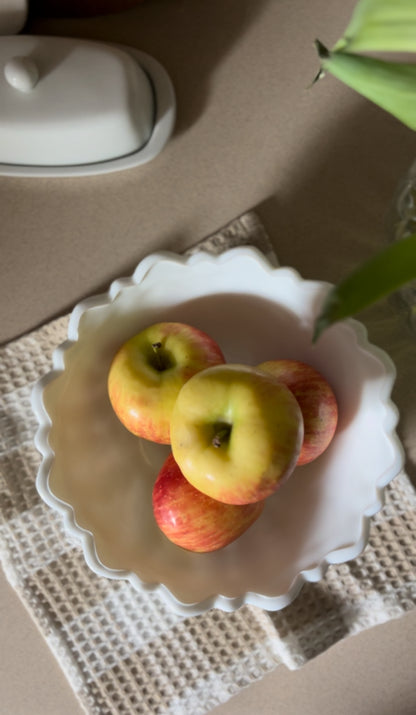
[(126, 652)]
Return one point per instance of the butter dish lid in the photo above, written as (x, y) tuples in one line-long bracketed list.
[(72, 106)]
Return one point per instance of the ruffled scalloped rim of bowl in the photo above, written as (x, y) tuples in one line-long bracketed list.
[(85, 537)]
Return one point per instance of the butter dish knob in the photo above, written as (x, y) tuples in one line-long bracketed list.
[(21, 73)]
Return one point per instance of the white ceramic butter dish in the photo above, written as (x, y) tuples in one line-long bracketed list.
[(73, 107)]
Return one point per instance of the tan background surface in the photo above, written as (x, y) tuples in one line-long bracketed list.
[(320, 167)]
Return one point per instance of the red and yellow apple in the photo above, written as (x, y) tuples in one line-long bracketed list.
[(316, 400), (236, 433), (193, 520), (148, 371)]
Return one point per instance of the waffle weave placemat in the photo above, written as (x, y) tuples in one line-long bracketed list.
[(126, 652)]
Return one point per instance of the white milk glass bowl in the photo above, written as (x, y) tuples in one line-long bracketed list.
[(99, 477)]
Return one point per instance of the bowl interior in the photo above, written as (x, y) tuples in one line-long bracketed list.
[(107, 474)]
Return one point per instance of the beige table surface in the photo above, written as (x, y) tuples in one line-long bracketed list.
[(319, 166)]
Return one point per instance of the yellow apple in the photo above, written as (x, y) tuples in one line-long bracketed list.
[(236, 433), (149, 370)]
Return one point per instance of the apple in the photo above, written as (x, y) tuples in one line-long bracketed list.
[(316, 400), (148, 371), (236, 433), (193, 520)]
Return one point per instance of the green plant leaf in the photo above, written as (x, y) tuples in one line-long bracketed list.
[(379, 276), (381, 25), (390, 85)]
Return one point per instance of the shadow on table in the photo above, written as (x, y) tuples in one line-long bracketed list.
[(338, 211), (181, 34), (334, 208)]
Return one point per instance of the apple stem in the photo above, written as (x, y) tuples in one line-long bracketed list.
[(156, 349), (221, 436)]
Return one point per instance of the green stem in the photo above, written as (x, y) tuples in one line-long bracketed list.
[(381, 275)]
